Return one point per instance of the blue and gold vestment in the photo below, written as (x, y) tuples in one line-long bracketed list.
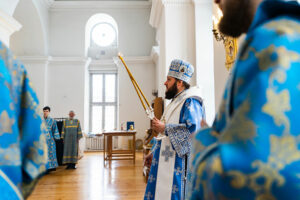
[(253, 149), (52, 134), (23, 150)]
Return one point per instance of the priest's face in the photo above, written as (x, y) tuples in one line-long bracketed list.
[(237, 16), (171, 87), (71, 114), (46, 113)]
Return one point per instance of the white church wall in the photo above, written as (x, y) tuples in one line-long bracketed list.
[(130, 107), (30, 44), (9, 6), (221, 73), (65, 86), (8, 24), (30, 40), (37, 69), (176, 40), (61, 82), (136, 36), (42, 9), (205, 55)]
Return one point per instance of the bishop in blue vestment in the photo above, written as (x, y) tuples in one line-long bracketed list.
[(182, 117)]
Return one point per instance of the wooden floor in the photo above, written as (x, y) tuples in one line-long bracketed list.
[(91, 181)]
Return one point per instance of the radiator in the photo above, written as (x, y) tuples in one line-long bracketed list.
[(94, 143)]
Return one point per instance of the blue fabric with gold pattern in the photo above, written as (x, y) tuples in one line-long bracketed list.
[(52, 134), (253, 149), (23, 150)]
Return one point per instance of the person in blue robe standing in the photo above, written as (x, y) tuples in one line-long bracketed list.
[(52, 134), (181, 118), (23, 150), (252, 151)]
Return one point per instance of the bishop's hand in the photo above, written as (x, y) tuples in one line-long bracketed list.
[(158, 125), (203, 124)]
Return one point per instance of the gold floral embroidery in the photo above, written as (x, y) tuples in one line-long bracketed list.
[(276, 56), (284, 26), (269, 57), (39, 159), (241, 128), (10, 155), (238, 84), (29, 103), (217, 165), (222, 109), (238, 179), (276, 106), (283, 151), (6, 123), (246, 55), (200, 171)]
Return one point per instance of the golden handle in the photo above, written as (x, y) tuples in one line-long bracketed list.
[(136, 86)]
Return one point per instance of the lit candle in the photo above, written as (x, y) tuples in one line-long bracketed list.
[(215, 23)]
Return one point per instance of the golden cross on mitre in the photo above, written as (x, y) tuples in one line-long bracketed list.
[(147, 107)]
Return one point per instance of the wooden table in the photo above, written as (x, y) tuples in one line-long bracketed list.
[(111, 154)]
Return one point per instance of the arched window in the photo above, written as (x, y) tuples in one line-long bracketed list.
[(103, 35), (102, 44)]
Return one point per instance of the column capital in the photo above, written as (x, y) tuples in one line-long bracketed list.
[(159, 5), (156, 11), (8, 25), (49, 3)]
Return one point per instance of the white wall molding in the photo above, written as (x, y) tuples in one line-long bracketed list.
[(48, 3), (155, 54), (135, 60), (8, 25), (103, 62), (92, 5), (34, 59), (102, 65), (68, 60)]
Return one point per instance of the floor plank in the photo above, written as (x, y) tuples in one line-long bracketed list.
[(91, 181)]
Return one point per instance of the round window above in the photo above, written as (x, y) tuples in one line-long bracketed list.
[(103, 34)]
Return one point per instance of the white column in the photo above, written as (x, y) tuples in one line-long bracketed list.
[(8, 25), (37, 67), (9, 6), (174, 21), (157, 21), (204, 54)]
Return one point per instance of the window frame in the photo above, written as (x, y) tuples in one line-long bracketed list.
[(103, 103)]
